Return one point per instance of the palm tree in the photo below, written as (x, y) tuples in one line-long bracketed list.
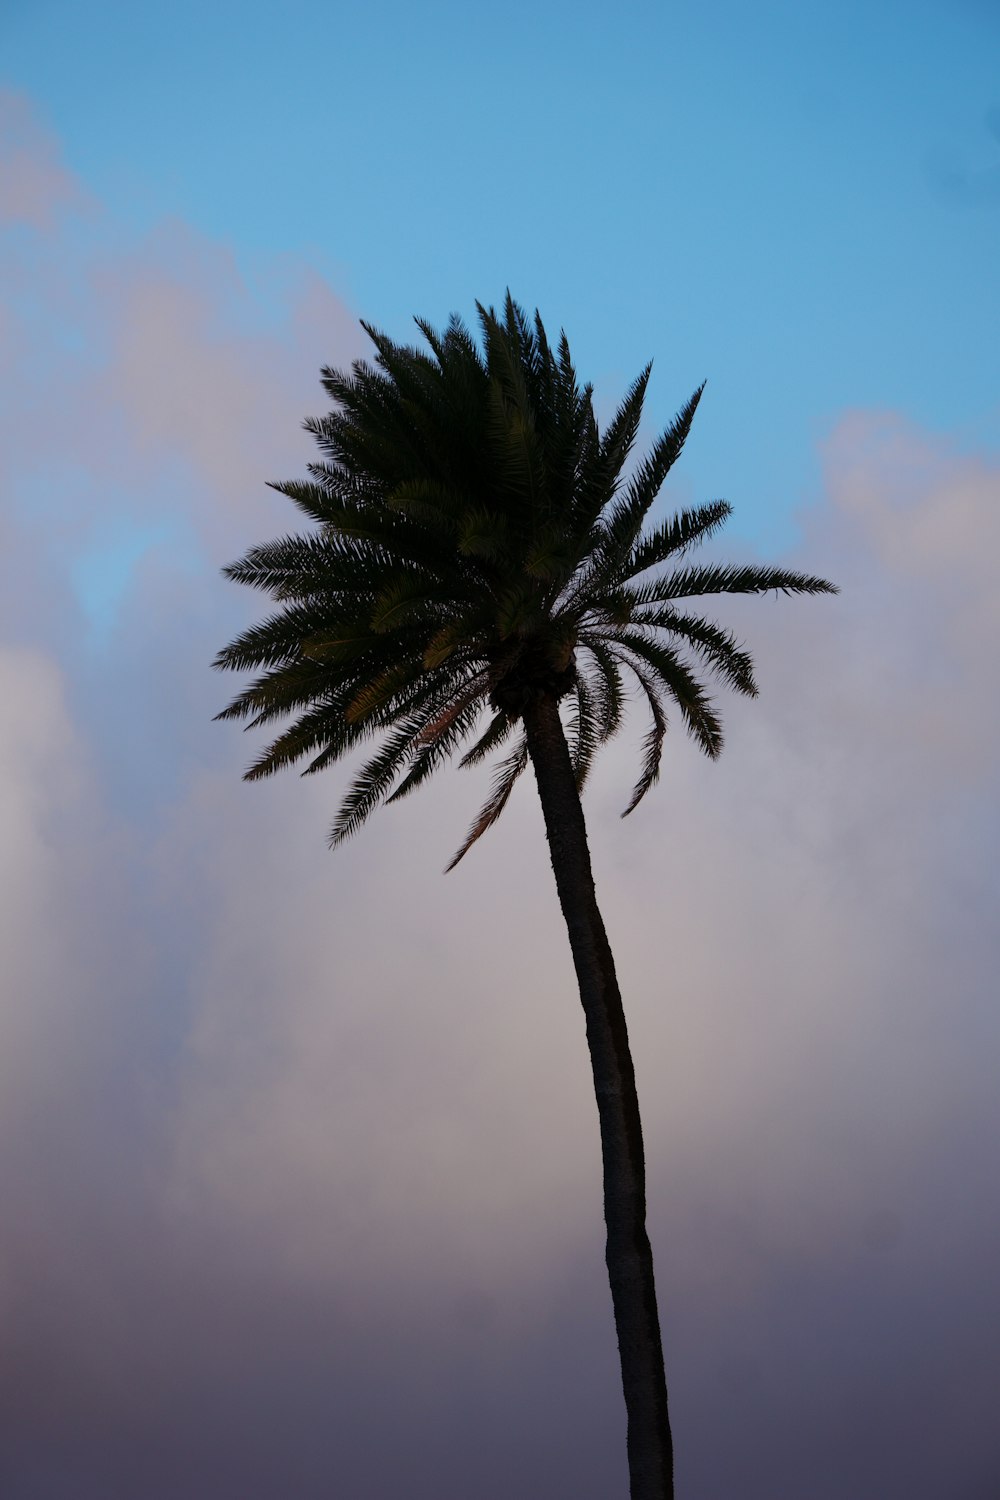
[(479, 568)]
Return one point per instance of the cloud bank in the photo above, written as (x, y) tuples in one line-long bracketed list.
[(298, 1155)]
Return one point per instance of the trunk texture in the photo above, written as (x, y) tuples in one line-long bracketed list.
[(629, 1257)]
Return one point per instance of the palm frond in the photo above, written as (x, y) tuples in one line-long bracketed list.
[(496, 731), (381, 690), (372, 782), (652, 745), (278, 692), (717, 647), (600, 480), (432, 746), (622, 526), (697, 582), (507, 772), (697, 711), (285, 637), (608, 690), (468, 692), (324, 729), (408, 597), (584, 730), (675, 536)]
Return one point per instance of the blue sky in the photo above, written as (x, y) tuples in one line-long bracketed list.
[(298, 1154), (800, 203)]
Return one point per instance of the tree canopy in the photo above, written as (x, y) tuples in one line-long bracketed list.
[(477, 541)]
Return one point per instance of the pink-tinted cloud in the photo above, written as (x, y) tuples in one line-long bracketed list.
[(298, 1153), (191, 377), (35, 187), (151, 390)]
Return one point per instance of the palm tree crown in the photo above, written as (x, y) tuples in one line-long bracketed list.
[(479, 546)]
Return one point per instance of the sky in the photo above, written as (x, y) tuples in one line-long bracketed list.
[(298, 1152)]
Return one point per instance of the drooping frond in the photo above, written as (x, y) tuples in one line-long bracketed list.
[(652, 745), (496, 731), (372, 783), (329, 725), (322, 730), (584, 729), (607, 681), (718, 648), (507, 772), (428, 753), (697, 710), (468, 693), (442, 733)]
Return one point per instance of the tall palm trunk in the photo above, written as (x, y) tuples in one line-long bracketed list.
[(629, 1257)]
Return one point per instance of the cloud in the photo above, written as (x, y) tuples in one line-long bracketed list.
[(299, 1156), (35, 187)]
